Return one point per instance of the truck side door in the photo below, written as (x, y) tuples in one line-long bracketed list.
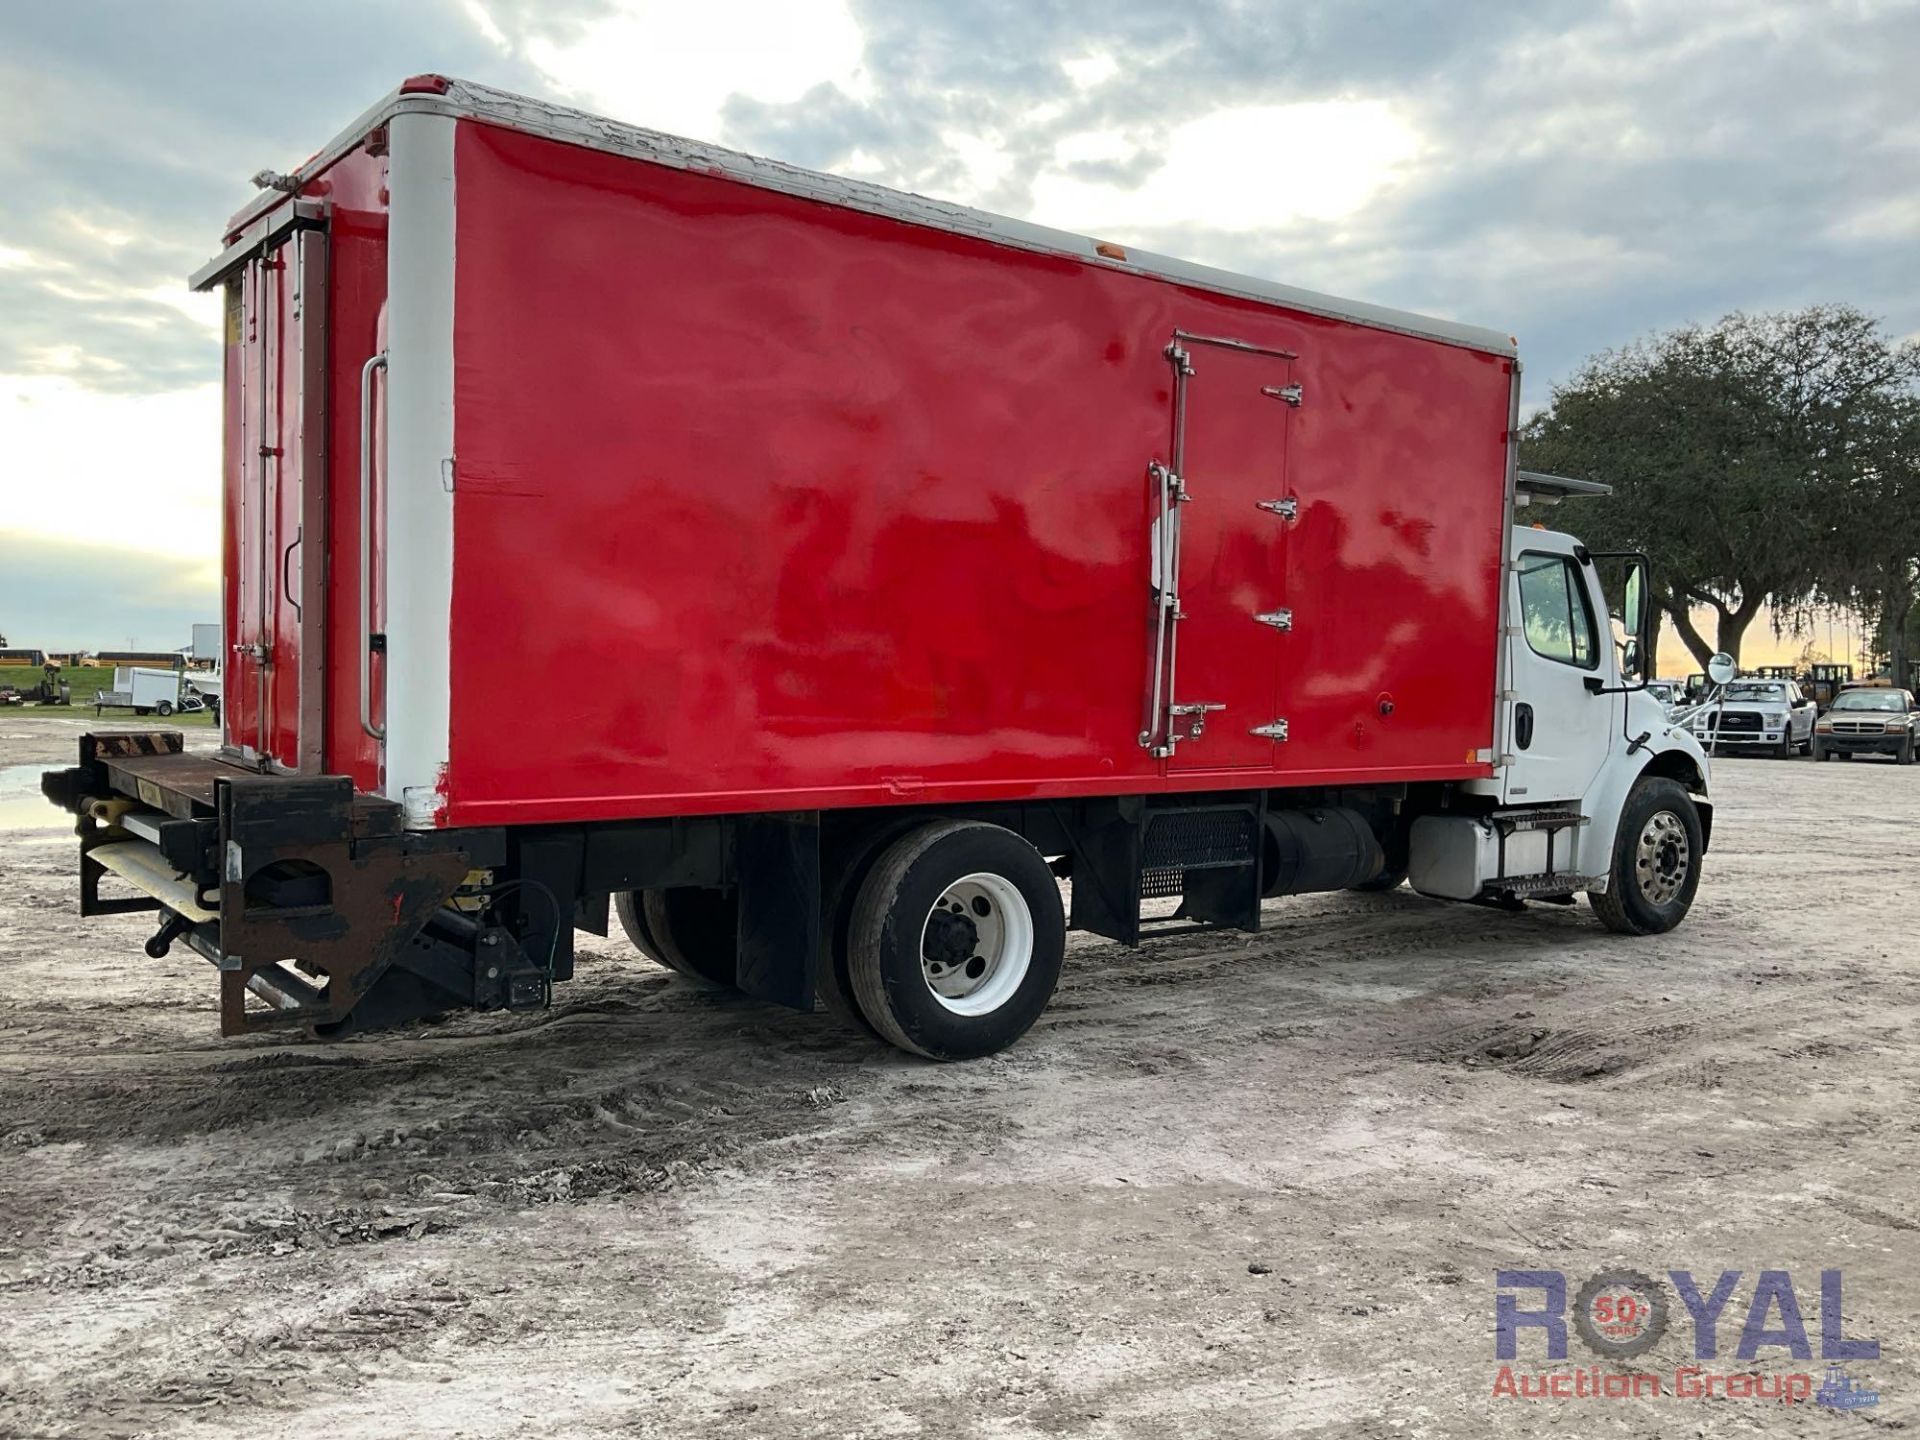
[(1559, 730)]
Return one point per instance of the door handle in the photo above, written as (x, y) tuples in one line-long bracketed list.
[(286, 573), (367, 637), (1523, 725)]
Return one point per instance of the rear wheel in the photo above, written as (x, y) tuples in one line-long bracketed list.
[(956, 940), (696, 930), (845, 872), (164, 708), (630, 906), (1656, 860)]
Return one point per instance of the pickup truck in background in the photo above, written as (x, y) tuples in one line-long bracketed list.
[(1869, 720), (1769, 716)]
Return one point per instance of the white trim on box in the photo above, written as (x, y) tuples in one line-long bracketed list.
[(418, 559), (462, 99)]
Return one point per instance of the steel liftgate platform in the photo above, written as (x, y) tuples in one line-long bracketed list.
[(304, 895)]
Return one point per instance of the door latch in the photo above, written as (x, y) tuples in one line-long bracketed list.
[(1278, 619), (1276, 731), (1290, 394), (1199, 712), (1287, 509)]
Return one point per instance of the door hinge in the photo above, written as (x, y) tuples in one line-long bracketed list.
[(1278, 619), (1276, 731), (1182, 361), (1287, 509), (1291, 394)]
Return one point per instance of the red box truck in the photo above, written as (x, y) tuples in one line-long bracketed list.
[(811, 576)]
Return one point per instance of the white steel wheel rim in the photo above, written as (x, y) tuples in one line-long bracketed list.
[(976, 944), (1662, 857)]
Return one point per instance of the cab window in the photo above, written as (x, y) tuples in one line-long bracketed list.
[(1555, 610)]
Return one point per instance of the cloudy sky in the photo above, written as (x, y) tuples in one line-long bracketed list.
[(1579, 177)]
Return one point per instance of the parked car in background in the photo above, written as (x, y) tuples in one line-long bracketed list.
[(1867, 720), (1670, 693), (1756, 715)]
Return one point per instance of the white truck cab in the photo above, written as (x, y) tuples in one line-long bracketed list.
[(1596, 789)]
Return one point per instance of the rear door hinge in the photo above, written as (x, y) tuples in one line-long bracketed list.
[(1276, 731), (1278, 619)]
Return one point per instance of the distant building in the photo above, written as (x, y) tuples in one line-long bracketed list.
[(170, 659)]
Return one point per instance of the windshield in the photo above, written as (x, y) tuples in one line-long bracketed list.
[(1871, 700), (1756, 690)]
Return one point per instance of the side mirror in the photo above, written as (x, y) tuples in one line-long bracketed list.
[(1632, 617), (1722, 668)]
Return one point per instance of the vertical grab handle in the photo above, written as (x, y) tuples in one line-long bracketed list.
[(367, 635)]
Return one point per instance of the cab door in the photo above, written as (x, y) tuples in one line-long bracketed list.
[(1561, 722)]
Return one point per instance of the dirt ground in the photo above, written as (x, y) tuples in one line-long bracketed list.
[(1228, 1187)]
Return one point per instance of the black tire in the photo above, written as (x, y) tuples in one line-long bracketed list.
[(1653, 899), (630, 906), (1786, 742), (1820, 752), (697, 930), (163, 709), (891, 979), (845, 872), (1905, 754)]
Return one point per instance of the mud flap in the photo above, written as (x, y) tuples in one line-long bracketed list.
[(778, 860)]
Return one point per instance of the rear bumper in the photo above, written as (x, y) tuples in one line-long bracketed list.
[(309, 898)]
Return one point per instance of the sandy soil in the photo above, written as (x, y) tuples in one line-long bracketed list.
[(1238, 1187)]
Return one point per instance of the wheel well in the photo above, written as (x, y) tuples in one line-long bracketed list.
[(1678, 765)]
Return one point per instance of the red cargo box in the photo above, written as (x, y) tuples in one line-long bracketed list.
[(704, 485)]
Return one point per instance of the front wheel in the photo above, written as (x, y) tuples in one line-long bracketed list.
[(956, 940), (1905, 755), (1656, 860)]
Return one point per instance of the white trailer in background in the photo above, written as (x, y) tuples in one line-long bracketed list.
[(141, 689)]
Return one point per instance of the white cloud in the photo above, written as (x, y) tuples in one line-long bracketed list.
[(1248, 168), (1091, 70), (133, 470), (671, 66)]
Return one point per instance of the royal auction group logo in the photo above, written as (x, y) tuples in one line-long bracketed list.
[(1621, 1314)]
